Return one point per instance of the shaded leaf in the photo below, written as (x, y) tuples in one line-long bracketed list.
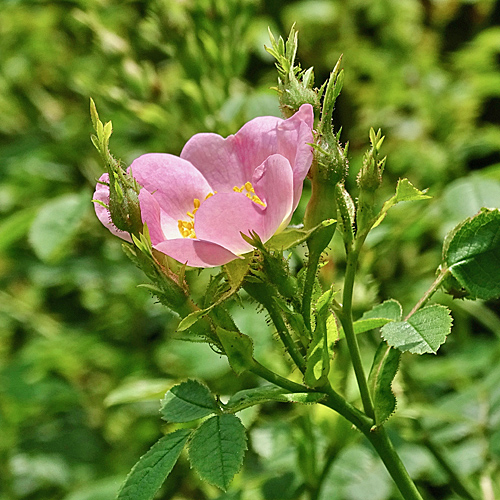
[(472, 254), (250, 397), (187, 401), (238, 348), (217, 448), (149, 473), (384, 368), (423, 332)]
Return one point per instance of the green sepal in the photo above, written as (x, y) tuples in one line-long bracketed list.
[(236, 271), (384, 368), (238, 348)]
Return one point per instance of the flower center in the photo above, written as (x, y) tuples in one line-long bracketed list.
[(186, 227), (248, 190)]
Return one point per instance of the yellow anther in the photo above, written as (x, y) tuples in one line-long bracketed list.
[(196, 204), (250, 193), (186, 228)]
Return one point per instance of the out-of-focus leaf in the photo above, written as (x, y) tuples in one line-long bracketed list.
[(56, 224), (138, 390)]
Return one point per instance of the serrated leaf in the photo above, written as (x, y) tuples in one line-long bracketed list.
[(149, 473), (423, 332), (294, 236), (217, 448), (192, 318), (238, 348), (384, 368), (379, 315), (187, 401), (472, 254), (56, 224), (250, 397), (405, 191), (320, 349)]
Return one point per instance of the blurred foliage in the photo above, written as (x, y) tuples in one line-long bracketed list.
[(85, 355)]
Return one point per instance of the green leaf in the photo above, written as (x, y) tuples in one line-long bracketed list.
[(294, 236), (238, 348), (384, 369), (250, 397), (187, 401), (149, 473), (56, 224), (472, 254), (320, 349), (15, 226), (405, 191), (378, 316), (138, 390), (423, 332), (217, 448)]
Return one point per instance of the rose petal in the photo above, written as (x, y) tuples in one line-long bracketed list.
[(101, 193), (174, 182), (273, 183), (223, 217), (230, 162), (196, 253)]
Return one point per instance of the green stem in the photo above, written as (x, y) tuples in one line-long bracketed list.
[(428, 294), (385, 449), (261, 293), (347, 323)]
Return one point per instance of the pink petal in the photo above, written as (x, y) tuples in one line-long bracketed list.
[(273, 183), (101, 193), (173, 182), (151, 215), (196, 253), (230, 162), (224, 216)]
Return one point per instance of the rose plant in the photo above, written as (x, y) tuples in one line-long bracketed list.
[(227, 202)]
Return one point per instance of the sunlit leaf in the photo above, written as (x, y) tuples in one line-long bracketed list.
[(187, 401), (217, 448), (149, 473), (423, 332)]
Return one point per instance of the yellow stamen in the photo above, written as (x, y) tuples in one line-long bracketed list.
[(250, 193)]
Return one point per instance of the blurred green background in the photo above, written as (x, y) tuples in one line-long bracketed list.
[(85, 354)]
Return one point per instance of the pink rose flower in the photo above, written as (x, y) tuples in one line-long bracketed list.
[(196, 205)]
